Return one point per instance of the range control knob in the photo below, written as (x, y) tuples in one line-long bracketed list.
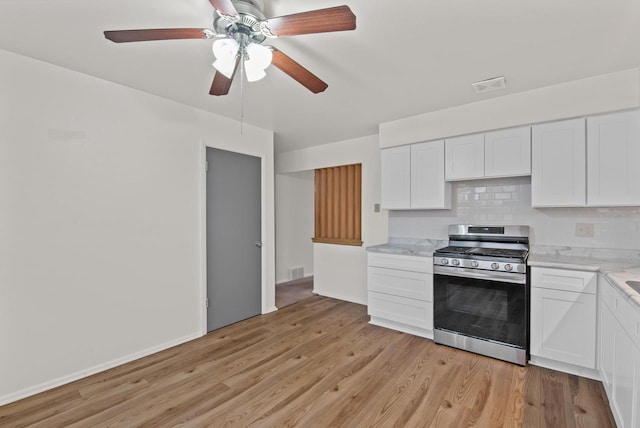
[(508, 267), (474, 264), (455, 262), (495, 265), (444, 261)]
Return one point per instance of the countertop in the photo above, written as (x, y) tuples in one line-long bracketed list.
[(616, 266), (408, 247)]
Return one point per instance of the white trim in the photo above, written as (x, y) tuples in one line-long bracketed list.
[(63, 380), (203, 234), (264, 223), (565, 367), (336, 296), (282, 281)]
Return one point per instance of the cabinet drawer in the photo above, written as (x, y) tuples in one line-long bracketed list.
[(414, 285), (401, 262), (417, 313), (564, 280)]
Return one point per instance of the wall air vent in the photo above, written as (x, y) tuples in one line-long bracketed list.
[(489, 85)]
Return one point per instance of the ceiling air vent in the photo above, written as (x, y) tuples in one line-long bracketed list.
[(489, 85)]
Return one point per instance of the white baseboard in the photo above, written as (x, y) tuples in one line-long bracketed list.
[(63, 380), (339, 297), (565, 367), (282, 281), (269, 310)]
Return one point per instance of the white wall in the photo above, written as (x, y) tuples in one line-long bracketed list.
[(101, 222), (340, 270), (609, 92), (508, 201), (294, 223)]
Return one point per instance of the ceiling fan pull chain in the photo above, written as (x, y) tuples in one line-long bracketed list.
[(241, 89)]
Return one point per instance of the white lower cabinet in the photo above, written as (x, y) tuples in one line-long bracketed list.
[(563, 319), (620, 355), (400, 293)]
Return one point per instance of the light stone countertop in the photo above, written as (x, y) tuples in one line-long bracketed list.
[(616, 266), (409, 247)]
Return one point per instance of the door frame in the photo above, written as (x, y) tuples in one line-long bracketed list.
[(267, 225)]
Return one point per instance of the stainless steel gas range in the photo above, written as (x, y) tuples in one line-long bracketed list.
[(481, 291)]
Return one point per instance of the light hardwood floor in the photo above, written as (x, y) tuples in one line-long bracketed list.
[(317, 363)]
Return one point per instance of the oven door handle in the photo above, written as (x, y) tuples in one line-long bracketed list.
[(515, 278)]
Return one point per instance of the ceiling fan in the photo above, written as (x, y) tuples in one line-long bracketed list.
[(239, 30)]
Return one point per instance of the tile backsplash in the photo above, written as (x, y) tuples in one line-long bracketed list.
[(508, 201)]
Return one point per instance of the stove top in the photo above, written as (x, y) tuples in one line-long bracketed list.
[(498, 249), (483, 251)]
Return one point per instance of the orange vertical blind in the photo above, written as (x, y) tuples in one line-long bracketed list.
[(337, 205)]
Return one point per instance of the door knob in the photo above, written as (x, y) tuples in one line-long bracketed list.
[(258, 244)]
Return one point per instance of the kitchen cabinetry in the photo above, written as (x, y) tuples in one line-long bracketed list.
[(502, 153), (507, 152), (464, 157), (620, 354), (558, 164), (413, 177), (396, 177), (613, 156), (563, 318), (400, 292)]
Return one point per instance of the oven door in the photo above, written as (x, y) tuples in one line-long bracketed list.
[(481, 308)]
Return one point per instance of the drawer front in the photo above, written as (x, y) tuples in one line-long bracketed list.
[(417, 313), (564, 280), (414, 285), (401, 262)]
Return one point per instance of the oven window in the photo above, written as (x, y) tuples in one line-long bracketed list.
[(479, 308), (478, 301)]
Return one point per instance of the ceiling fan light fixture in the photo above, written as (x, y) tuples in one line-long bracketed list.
[(258, 58), (225, 51), (253, 74)]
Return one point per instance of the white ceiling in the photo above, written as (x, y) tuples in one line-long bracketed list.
[(406, 57)]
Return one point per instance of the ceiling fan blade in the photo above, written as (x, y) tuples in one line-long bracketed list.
[(222, 83), (121, 36), (298, 72), (225, 7), (338, 18)]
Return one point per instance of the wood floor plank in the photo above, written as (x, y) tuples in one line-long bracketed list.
[(316, 363)]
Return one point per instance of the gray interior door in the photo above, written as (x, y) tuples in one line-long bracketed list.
[(234, 255)]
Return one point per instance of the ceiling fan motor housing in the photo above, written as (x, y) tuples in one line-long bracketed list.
[(246, 26)]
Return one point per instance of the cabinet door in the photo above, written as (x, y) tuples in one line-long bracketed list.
[(507, 152), (607, 346), (428, 188), (563, 326), (558, 164), (464, 157), (624, 363), (613, 156), (396, 177)]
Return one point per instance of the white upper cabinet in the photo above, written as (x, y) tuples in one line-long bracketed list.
[(396, 177), (464, 157), (558, 164), (613, 159), (507, 152), (413, 177), (428, 187)]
